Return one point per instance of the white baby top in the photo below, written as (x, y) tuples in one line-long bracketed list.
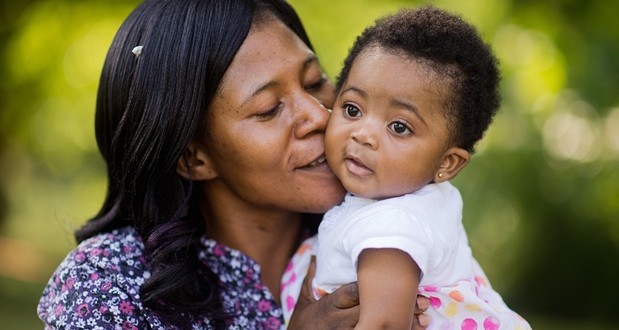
[(428, 226)]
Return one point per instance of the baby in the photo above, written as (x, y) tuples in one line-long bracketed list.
[(417, 92)]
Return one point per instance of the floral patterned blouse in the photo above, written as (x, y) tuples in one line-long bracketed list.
[(97, 287)]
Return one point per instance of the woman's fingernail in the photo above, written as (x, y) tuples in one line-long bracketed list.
[(424, 304), (424, 320)]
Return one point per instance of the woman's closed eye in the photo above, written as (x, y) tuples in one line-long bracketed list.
[(269, 113), (317, 85)]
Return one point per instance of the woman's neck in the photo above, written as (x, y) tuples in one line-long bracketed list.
[(270, 237)]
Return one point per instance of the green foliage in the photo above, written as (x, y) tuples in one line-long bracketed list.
[(541, 195)]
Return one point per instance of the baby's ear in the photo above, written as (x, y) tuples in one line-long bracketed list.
[(454, 160), (195, 163)]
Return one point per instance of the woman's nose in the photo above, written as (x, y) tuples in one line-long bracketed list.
[(312, 116)]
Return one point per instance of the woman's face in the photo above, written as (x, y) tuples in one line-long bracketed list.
[(265, 127)]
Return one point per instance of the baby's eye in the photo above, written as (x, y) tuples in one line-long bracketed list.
[(352, 111), (400, 128)]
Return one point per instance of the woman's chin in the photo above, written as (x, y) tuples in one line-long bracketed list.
[(328, 199)]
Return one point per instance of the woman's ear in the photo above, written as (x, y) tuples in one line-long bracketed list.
[(195, 163), (454, 160)]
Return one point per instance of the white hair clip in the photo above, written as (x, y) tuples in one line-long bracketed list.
[(137, 50)]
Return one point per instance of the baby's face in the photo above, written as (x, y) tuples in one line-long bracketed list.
[(387, 135)]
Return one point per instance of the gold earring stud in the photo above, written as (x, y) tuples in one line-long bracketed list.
[(440, 175)]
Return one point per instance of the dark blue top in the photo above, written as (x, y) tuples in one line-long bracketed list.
[(97, 287)]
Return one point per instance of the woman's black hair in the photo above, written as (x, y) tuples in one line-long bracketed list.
[(454, 50), (149, 108)]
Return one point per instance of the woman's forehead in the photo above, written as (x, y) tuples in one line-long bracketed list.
[(270, 54)]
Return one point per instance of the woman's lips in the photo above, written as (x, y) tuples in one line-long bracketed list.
[(320, 161), (356, 167)]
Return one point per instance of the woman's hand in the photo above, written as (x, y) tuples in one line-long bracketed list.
[(421, 320), (339, 309)]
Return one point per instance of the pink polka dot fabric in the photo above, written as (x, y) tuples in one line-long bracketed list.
[(465, 305), (294, 275), (470, 305)]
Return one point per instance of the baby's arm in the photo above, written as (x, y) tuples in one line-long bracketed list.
[(388, 281)]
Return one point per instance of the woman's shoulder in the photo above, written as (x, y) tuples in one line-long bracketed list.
[(107, 255), (109, 251), (99, 280), (112, 241), (116, 258)]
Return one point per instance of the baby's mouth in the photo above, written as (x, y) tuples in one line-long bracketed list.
[(355, 166)]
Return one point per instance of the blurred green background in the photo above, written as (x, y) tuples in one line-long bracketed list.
[(541, 195)]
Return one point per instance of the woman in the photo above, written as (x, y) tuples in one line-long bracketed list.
[(210, 119)]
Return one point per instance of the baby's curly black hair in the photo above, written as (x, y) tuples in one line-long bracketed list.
[(454, 50)]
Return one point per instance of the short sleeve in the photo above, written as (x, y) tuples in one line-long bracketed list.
[(388, 227)]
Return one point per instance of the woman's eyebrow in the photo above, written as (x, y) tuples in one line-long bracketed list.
[(259, 90), (310, 60), (261, 87)]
